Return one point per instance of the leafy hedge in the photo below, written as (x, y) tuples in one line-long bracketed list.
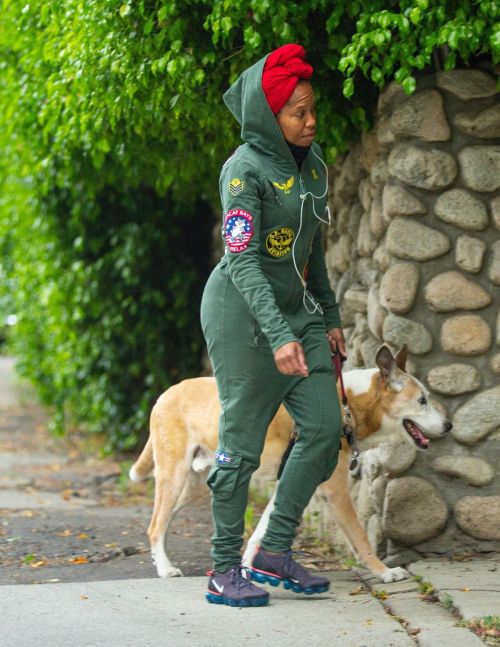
[(113, 130)]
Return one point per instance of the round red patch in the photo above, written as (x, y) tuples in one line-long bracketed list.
[(238, 229)]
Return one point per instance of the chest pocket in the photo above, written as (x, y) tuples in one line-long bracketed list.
[(284, 205)]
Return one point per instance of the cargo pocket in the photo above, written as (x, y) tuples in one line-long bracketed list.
[(222, 478)]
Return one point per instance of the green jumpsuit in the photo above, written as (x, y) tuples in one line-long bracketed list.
[(252, 305)]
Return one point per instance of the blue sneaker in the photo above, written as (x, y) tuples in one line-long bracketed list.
[(235, 588), (277, 568)]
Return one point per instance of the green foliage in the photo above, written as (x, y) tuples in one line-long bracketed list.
[(112, 128), (415, 35)]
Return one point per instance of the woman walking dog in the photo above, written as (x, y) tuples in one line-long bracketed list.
[(271, 320)]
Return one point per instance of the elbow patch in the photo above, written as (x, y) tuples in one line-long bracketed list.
[(238, 229)]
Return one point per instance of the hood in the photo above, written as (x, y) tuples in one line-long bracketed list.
[(248, 104)]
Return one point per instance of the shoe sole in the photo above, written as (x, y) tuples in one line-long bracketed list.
[(230, 602), (275, 580)]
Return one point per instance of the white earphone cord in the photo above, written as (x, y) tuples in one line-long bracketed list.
[(307, 296)]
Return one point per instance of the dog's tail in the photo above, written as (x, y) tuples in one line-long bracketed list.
[(144, 464)]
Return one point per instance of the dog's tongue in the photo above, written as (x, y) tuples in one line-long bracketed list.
[(422, 439), (416, 434), (415, 430)]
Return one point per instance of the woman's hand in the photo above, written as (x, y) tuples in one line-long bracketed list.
[(337, 341), (290, 359)]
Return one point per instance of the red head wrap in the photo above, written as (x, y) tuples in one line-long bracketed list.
[(282, 70)]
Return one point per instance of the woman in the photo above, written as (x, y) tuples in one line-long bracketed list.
[(270, 320)]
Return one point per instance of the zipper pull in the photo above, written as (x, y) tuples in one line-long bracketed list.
[(302, 195)]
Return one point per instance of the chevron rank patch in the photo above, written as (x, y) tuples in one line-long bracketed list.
[(286, 186), (236, 186)]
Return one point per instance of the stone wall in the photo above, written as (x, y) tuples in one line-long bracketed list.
[(414, 256)]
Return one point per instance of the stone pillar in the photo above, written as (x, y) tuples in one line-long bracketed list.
[(414, 256)]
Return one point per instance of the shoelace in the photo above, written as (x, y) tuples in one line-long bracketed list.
[(239, 579), (293, 568)]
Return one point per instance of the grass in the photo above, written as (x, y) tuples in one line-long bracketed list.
[(425, 588), (380, 595), (447, 601), (487, 628)]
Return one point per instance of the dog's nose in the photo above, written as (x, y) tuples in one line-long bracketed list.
[(447, 426)]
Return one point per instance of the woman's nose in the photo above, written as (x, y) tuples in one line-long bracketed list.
[(311, 120)]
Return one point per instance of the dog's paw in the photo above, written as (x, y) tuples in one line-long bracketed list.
[(394, 574), (171, 571)]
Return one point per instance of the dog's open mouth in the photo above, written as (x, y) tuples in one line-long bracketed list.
[(415, 433)]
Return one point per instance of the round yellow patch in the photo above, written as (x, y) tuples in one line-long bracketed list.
[(279, 242)]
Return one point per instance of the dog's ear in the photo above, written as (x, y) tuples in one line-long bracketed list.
[(386, 362), (401, 357)]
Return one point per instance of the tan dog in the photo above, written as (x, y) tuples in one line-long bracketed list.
[(183, 437)]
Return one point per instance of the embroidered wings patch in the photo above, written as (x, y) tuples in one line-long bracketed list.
[(238, 229), (286, 187)]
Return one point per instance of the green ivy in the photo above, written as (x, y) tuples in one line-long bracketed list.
[(112, 131)]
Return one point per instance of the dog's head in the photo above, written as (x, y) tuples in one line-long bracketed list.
[(408, 403)]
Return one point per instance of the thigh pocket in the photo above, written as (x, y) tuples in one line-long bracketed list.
[(223, 476)]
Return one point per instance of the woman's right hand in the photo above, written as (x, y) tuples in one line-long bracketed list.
[(290, 359)]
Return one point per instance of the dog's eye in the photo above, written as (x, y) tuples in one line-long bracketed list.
[(422, 400)]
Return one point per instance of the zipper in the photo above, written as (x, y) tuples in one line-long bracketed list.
[(276, 197)]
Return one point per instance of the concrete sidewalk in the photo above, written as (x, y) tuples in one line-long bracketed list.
[(173, 612), (358, 611)]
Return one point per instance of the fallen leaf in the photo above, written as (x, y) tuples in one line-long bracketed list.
[(466, 588), (83, 535), (27, 513), (357, 591), (42, 562), (110, 545), (369, 622), (66, 494), (65, 533), (80, 560), (83, 597)]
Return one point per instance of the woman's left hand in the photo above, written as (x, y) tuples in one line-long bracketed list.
[(337, 341)]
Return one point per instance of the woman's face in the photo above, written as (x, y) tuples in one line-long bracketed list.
[(297, 118)]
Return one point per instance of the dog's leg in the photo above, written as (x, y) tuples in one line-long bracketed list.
[(168, 493), (345, 514), (258, 533)]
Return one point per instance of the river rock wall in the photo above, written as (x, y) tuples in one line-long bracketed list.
[(414, 257)]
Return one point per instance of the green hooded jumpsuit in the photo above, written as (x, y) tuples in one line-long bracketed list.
[(252, 305)]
